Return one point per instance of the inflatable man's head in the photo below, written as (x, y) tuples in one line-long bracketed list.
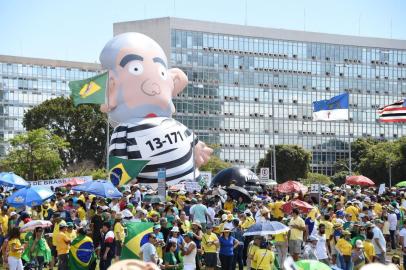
[(140, 83)]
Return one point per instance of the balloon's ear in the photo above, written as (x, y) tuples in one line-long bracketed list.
[(179, 80), (111, 103)]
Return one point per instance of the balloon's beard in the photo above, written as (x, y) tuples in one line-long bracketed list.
[(124, 114)]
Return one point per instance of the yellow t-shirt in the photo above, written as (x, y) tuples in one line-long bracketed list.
[(209, 238), (72, 235), (4, 223), (81, 213), (229, 206), (264, 259), (378, 209), (296, 234), (353, 211), (251, 252), (329, 228), (55, 233), (17, 243), (119, 232), (186, 226), (277, 209), (280, 237), (313, 213), (61, 246), (247, 223), (369, 250), (344, 246)]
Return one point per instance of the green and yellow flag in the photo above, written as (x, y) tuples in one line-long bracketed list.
[(137, 235), (91, 90), (122, 171), (81, 254)]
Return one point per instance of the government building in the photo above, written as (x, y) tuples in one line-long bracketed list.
[(249, 87)]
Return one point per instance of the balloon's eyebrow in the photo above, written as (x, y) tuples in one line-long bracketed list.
[(129, 58), (159, 60)]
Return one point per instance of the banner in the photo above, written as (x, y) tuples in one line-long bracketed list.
[(59, 181), (205, 177), (162, 183)]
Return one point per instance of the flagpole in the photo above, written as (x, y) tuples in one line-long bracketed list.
[(273, 137), (108, 122), (349, 139)]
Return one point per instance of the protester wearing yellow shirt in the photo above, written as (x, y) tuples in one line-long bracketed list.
[(281, 245), (210, 244), (344, 248), (328, 226), (3, 223), (81, 211), (229, 205), (369, 248), (353, 211), (62, 246), (71, 233), (378, 209), (277, 209), (264, 257), (119, 234), (15, 250), (297, 227), (252, 248), (246, 221)]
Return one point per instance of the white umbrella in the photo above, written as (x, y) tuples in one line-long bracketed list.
[(266, 228), (30, 226)]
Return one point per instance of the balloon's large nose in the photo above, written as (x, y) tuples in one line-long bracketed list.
[(150, 88)]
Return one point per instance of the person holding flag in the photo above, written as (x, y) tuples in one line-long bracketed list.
[(82, 255)]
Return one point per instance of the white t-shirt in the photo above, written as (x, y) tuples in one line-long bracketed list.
[(402, 233), (321, 248), (393, 221), (148, 250), (190, 260), (381, 239), (137, 195), (212, 213)]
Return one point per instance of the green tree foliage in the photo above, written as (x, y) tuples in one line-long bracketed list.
[(35, 155), (359, 148), (292, 162), (84, 127), (215, 164), (339, 177), (317, 178), (378, 158)]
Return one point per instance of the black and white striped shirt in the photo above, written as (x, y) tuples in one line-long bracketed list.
[(165, 142)]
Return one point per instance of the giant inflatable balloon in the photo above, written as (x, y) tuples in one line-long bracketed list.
[(140, 108)]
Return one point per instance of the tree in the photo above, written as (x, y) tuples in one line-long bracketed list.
[(292, 162), (378, 159), (84, 127), (359, 148), (215, 164), (35, 155), (339, 177), (317, 178)]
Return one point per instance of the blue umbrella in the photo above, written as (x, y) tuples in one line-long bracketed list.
[(29, 196), (10, 179), (101, 188), (266, 228)]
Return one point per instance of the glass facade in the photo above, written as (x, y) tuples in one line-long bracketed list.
[(22, 86), (247, 93)]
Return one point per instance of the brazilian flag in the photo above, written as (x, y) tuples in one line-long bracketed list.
[(137, 235), (122, 171), (91, 90), (81, 253)]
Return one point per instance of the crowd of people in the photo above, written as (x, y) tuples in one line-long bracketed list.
[(346, 228)]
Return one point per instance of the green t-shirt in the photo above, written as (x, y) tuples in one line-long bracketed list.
[(170, 258)]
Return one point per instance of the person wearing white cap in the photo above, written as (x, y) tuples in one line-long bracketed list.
[(358, 256), (309, 252)]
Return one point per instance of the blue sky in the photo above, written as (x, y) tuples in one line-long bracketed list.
[(78, 29)]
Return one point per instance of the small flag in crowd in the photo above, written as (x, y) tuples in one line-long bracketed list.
[(332, 109), (81, 253), (137, 235), (393, 113), (124, 170), (91, 90)]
